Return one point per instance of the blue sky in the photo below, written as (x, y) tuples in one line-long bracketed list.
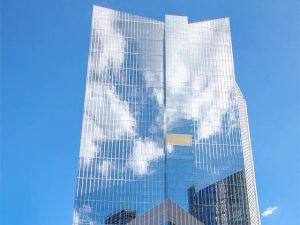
[(44, 49)]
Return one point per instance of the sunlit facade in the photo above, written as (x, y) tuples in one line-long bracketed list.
[(165, 130)]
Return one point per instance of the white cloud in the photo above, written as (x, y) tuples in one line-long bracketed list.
[(269, 211), (105, 167), (103, 102), (178, 87), (205, 89), (214, 88), (82, 216), (154, 80), (111, 47), (144, 152), (106, 117), (109, 114)]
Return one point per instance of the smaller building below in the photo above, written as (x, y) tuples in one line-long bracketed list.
[(120, 217)]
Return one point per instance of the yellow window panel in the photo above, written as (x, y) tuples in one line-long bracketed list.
[(179, 139)]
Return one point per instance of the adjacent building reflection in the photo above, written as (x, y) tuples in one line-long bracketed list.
[(221, 203), (120, 217)]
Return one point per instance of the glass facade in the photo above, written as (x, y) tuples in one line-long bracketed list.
[(165, 137)]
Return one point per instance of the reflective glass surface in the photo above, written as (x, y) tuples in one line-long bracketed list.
[(165, 136)]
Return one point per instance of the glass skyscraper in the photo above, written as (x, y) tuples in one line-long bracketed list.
[(165, 137)]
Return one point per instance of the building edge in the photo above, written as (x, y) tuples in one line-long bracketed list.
[(248, 159)]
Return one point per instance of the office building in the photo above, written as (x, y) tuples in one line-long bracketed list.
[(162, 113)]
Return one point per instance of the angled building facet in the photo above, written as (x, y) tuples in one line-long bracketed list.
[(165, 136), (167, 213)]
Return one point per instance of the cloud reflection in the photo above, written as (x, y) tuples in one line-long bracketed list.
[(109, 116), (144, 152), (209, 94)]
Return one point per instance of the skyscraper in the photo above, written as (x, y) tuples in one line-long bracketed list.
[(162, 114)]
